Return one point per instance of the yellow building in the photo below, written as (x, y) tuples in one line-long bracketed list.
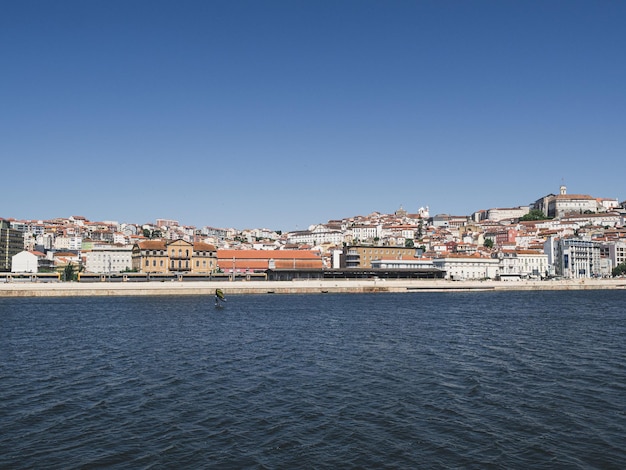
[(177, 256)]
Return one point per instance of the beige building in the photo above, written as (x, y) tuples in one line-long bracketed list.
[(361, 256), (177, 256)]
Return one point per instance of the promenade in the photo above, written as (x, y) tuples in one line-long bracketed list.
[(67, 289)]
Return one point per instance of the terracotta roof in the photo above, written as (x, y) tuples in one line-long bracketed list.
[(573, 196), (267, 254), (152, 244), (201, 246)]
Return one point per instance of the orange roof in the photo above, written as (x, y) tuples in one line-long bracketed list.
[(152, 244), (267, 254), (201, 246), (259, 259)]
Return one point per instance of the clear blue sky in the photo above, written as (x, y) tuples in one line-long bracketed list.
[(282, 114)]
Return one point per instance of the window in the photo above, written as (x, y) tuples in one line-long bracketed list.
[(147, 262)]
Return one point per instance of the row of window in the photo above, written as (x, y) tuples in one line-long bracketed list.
[(180, 252), (161, 263)]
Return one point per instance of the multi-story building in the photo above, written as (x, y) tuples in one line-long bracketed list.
[(361, 256), (177, 256), (498, 214), (107, 259), (462, 267), (615, 251), (364, 232), (68, 243), (576, 258), (318, 236), (11, 243), (564, 203), (522, 264)]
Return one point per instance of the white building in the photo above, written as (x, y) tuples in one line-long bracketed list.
[(522, 264), (418, 263), (68, 243), (498, 214), (363, 233), (26, 262), (459, 268), (616, 252), (106, 259), (320, 235), (564, 203), (576, 258)]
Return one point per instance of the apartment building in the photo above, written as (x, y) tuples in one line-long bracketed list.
[(106, 259), (576, 258), (11, 243)]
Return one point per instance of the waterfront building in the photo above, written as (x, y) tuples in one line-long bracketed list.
[(31, 262), (615, 251), (417, 263), (254, 261), (362, 256), (576, 258), (11, 243), (107, 259), (462, 267), (522, 264), (177, 256)]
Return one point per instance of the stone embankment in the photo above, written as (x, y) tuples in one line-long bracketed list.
[(65, 289)]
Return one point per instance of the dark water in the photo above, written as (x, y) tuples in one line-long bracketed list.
[(424, 380)]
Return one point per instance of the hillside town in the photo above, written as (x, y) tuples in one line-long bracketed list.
[(558, 236)]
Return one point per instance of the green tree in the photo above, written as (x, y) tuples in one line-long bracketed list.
[(408, 243), (619, 270), (534, 214), (488, 243)]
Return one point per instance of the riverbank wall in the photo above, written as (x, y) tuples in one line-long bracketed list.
[(68, 289)]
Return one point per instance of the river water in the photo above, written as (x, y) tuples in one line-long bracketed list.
[(419, 380)]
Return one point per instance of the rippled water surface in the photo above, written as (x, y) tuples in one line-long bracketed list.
[(424, 380)]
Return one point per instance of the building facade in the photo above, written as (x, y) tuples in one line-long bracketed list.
[(576, 258), (522, 264), (106, 259), (11, 243), (362, 256), (177, 256), (461, 268)]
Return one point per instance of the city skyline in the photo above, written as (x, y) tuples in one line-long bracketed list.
[(282, 115), (410, 211)]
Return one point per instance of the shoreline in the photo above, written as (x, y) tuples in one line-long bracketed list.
[(75, 289)]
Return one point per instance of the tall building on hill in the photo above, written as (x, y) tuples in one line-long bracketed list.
[(556, 206)]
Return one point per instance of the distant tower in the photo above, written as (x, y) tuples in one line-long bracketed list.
[(563, 190)]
